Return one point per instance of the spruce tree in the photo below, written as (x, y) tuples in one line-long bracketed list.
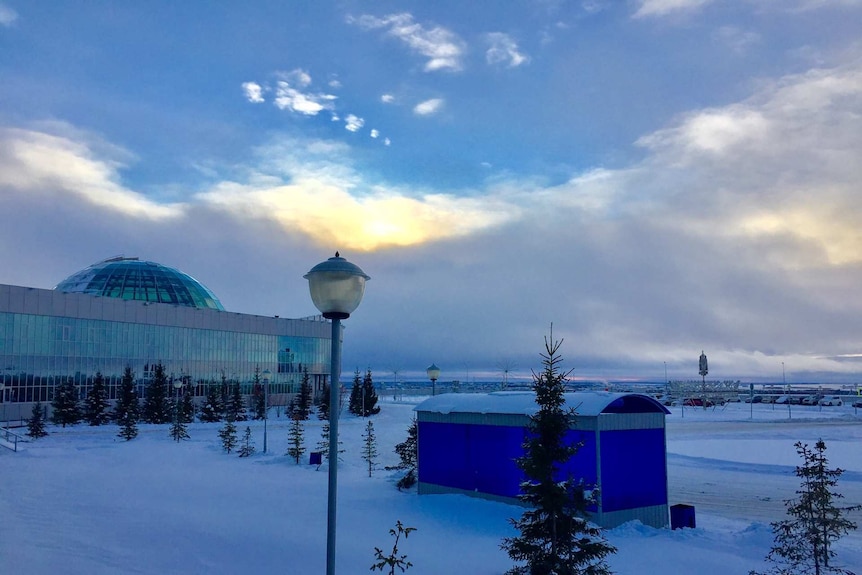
[(157, 405), (36, 423), (323, 404), (556, 537), (127, 410), (369, 446), (227, 434), (408, 453), (178, 428), (247, 448), (296, 439), (368, 404), (323, 444), (355, 403), (66, 408), (804, 543), (235, 407), (96, 403), (211, 409), (303, 401), (187, 403)]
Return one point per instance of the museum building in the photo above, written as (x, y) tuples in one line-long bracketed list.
[(127, 312)]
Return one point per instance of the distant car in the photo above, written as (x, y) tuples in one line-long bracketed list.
[(782, 399), (831, 400), (770, 398), (754, 399), (857, 403), (811, 399), (698, 402)]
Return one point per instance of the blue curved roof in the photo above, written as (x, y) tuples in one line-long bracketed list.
[(585, 403), (133, 279)]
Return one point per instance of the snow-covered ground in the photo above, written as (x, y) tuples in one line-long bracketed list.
[(83, 501)]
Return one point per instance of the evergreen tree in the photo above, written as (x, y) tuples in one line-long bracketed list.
[(187, 404), (258, 398), (179, 430), (36, 423), (157, 405), (323, 444), (369, 446), (235, 407), (224, 395), (355, 403), (227, 434), (556, 538), (803, 543), (323, 404), (247, 448), (65, 403), (96, 403), (127, 410), (212, 408), (408, 453), (368, 403), (296, 439), (303, 401)]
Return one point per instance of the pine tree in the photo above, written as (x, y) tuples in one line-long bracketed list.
[(369, 446), (368, 402), (296, 439), (212, 408), (127, 410), (66, 409), (96, 403), (247, 448), (235, 407), (323, 444), (187, 404), (803, 543), (323, 404), (303, 401), (355, 403), (408, 453), (556, 538), (36, 423), (227, 434), (157, 407)]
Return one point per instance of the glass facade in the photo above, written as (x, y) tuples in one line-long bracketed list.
[(48, 337)]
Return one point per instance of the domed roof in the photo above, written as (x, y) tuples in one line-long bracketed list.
[(132, 279)]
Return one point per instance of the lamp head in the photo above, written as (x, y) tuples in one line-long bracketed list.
[(336, 287)]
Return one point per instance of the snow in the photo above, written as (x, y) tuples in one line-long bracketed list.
[(586, 403), (83, 501)]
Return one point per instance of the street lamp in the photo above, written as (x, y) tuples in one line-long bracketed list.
[(336, 287), (433, 374), (266, 377), (178, 385), (3, 398)]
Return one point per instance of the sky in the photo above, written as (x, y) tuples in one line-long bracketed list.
[(652, 178)]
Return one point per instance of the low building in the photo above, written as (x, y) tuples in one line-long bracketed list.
[(127, 312), (468, 443)]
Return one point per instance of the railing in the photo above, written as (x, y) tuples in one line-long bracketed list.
[(10, 439)]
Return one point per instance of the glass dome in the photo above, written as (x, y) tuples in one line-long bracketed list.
[(132, 279)]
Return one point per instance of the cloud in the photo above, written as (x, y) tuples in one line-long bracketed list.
[(7, 15), (739, 41), (428, 107), (253, 92), (353, 123), (443, 48), (374, 133), (45, 164), (667, 7), (503, 50), (387, 98)]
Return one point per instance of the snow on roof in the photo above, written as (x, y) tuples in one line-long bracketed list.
[(585, 403)]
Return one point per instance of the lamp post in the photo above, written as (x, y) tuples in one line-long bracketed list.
[(433, 374), (266, 377), (3, 397), (336, 287), (178, 385)]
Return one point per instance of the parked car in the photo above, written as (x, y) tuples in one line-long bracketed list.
[(769, 398), (831, 400), (811, 399), (754, 399), (698, 402), (783, 399), (857, 403)]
